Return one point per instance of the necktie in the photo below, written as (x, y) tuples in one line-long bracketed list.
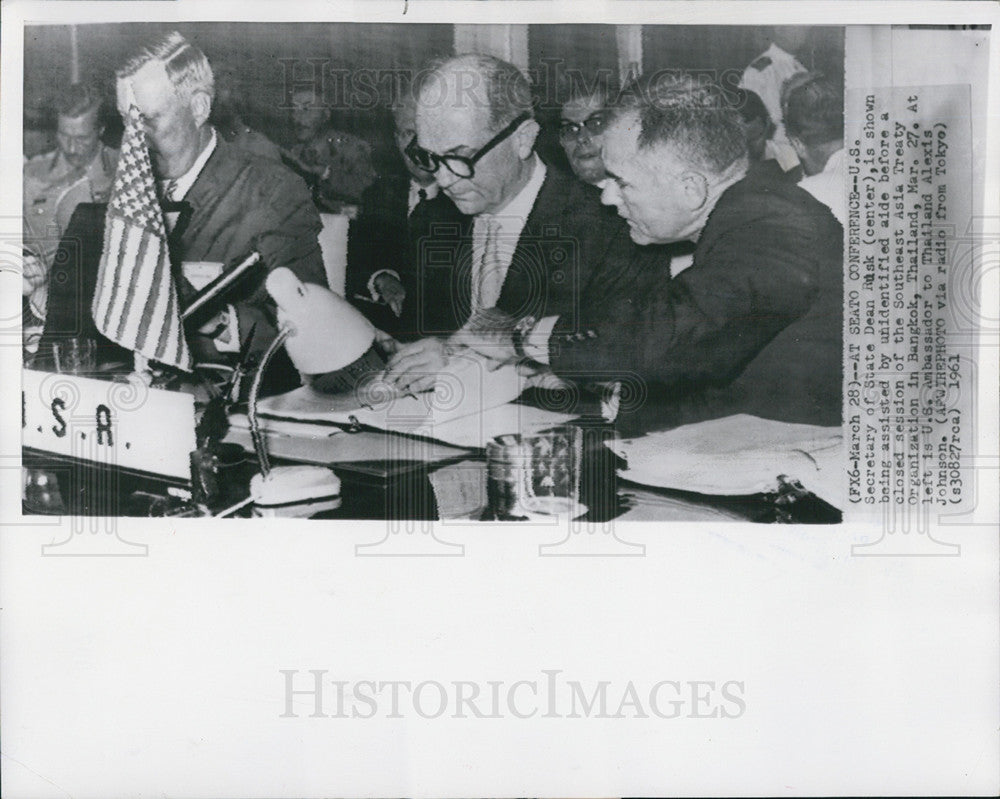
[(169, 217), (421, 195), (487, 279)]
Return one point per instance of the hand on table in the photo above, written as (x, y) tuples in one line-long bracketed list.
[(415, 366), (489, 333)]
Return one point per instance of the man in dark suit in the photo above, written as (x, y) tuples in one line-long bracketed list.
[(753, 326), (399, 213), (222, 202), (533, 237)]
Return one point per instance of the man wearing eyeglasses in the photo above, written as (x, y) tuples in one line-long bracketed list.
[(753, 326), (534, 235), (581, 129)]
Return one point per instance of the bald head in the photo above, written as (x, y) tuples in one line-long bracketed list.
[(462, 103)]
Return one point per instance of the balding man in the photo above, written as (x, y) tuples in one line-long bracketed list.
[(754, 325), (533, 237), (226, 202)]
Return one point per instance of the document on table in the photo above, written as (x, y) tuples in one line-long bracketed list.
[(468, 407), (738, 455)]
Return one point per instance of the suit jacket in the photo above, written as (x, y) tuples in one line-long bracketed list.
[(567, 238), (753, 326), (238, 204), (386, 236)]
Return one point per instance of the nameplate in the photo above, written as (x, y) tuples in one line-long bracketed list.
[(119, 424)]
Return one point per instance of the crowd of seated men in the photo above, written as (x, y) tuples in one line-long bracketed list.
[(676, 256)]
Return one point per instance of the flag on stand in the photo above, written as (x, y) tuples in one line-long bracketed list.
[(135, 301)]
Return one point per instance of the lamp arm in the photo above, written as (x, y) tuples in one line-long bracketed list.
[(255, 432)]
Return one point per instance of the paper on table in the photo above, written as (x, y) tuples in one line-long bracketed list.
[(468, 406), (477, 429), (738, 455)]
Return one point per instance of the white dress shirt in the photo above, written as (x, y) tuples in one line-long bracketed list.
[(828, 186), (414, 199), (766, 81), (177, 188), (489, 269)]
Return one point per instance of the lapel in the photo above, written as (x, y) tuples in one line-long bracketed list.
[(215, 179), (527, 283)]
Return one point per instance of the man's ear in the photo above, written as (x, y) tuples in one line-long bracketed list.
[(201, 107), (695, 187), (525, 138)]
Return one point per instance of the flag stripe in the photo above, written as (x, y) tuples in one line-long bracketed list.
[(168, 345), (112, 239), (135, 302), (132, 267), (152, 312)]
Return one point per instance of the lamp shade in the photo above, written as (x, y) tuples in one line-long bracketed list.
[(331, 343)]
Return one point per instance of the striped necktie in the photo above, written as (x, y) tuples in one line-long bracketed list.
[(488, 275)]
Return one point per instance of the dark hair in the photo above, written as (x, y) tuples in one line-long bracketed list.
[(78, 99), (689, 115), (508, 94), (813, 108)]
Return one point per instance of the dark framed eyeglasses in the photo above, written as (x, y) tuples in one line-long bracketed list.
[(461, 166), (594, 125)]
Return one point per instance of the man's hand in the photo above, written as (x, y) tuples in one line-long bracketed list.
[(391, 291), (489, 333), (33, 274), (217, 329), (415, 367)]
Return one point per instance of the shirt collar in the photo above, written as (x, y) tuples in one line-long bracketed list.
[(520, 206), (430, 191), (184, 183), (775, 52), (835, 163)]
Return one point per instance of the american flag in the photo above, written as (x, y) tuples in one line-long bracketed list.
[(135, 301)]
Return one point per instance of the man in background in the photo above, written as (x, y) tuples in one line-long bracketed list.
[(399, 214), (581, 130), (766, 75), (227, 118), (337, 164), (814, 120), (80, 170)]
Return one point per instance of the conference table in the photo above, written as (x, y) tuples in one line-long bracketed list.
[(383, 475)]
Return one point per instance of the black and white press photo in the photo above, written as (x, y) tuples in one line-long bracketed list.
[(505, 398)]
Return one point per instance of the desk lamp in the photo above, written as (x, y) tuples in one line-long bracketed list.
[(332, 345)]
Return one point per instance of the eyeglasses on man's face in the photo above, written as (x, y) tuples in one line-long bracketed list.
[(594, 125), (461, 166)]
